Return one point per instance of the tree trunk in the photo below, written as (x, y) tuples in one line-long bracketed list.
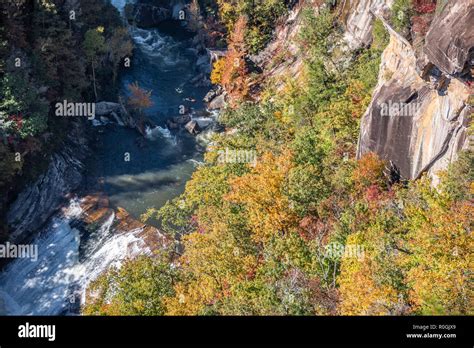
[(93, 79)]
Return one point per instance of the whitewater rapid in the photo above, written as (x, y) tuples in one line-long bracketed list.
[(68, 261), (69, 257), (56, 282)]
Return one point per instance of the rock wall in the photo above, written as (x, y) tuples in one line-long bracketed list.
[(427, 125), (358, 15), (151, 13), (432, 83), (41, 199)]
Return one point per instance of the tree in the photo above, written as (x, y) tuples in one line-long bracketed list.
[(9, 167), (20, 100), (56, 52), (217, 70), (439, 241), (234, 75), (138, 287), (261, 194), (118, 47), (94, 46), (140, 98)]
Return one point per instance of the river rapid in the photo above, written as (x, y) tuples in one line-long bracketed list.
[(157, 171)]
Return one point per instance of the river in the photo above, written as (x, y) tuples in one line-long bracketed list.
[(156, 172)]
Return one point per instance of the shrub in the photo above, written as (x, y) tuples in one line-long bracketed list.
[(217, 71)]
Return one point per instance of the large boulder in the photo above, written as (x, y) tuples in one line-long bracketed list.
[(358, 16), (217, 103), (117, 113), (193, 127), (214, 92), (450, 40)]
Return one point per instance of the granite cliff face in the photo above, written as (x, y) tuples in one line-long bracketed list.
[(358, 15), (428, 92), (41, 199), (431, 83)]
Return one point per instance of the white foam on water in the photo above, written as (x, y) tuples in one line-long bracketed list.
[(160, 133), (63, 271), (120, 4), (157, 46), (196, 163)]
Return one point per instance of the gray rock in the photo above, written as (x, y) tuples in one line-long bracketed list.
[(432, 128), (217, 103), (193, 127), (118, 113), (451, 37), (39, 200), (149, 16), (212, 94), (359, 22), (105, 108), (181, 119)]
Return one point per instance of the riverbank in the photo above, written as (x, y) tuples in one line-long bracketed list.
[(124, 174)]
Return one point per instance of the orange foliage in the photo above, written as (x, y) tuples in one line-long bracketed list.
[(369, 172), (234, 74), (140, 98), (261, 192)]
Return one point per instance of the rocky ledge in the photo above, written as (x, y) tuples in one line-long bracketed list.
[(96, 211), (41, 199)]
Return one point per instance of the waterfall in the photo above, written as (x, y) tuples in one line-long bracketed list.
[(56, 282), (69, 257)]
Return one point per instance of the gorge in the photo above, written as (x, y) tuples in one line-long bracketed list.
[(286, 158), (157, 171)]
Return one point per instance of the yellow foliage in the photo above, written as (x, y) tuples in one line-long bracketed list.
[(442, 260), (260, 192), (213, 264), (217, 70), (359, 292)]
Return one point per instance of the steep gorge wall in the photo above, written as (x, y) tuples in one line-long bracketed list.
[(432, 127), (432, 80)]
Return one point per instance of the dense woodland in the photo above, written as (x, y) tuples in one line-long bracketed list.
[(273, 238), (50, 53), (308, 230)]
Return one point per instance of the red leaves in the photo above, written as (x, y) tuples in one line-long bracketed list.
[(420, 25), (372, 194), (18, 119), (424, 6), (140, 98)]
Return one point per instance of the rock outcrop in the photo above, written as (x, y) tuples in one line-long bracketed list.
[(96, 210), (281, 57), (428, 125), (358, 15), (150, 14), (41, 199), (116, 112), (450, 40)]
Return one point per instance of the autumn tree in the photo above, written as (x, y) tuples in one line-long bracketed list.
[(94, 46), (262, 195), (138, 287), (234, 75), (139, 98)]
